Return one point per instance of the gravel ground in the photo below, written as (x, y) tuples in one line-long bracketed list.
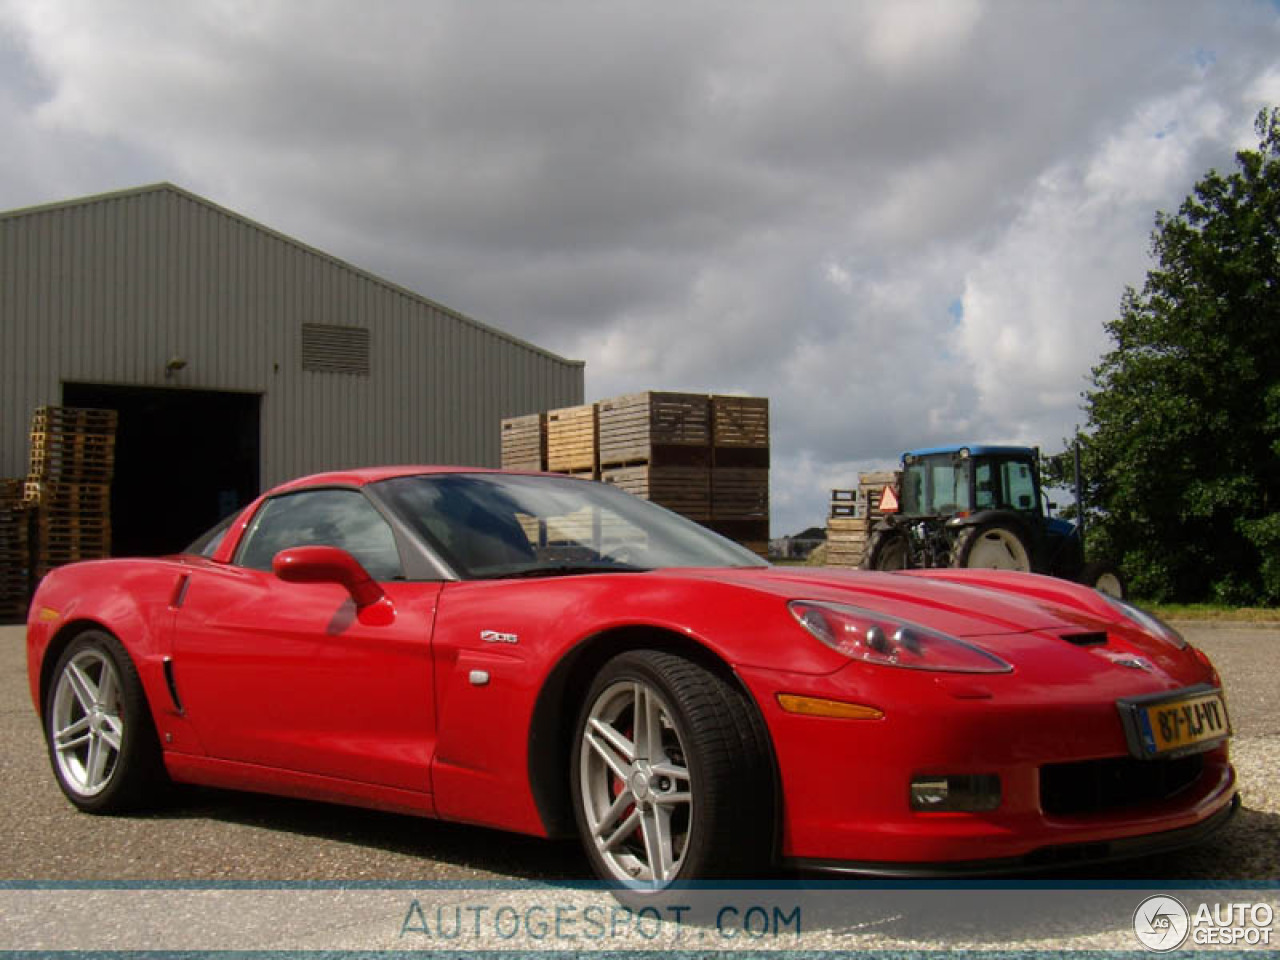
[(209, 835)]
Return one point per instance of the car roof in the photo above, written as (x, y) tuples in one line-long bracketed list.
[(361, 476), (975, 450)]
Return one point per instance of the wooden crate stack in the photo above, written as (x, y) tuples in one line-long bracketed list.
[(69, 484), (658, 447), (740, 470), (704, 457), (15, 553), (524, 442), (853, 514)]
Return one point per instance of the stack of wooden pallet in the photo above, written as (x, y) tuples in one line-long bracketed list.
[(740, 470), (69, 484), (658, 447), (853, 515), (704, 457), (15, 553), (524, 442)]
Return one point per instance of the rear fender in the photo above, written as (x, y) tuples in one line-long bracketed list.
[(1006, 518)]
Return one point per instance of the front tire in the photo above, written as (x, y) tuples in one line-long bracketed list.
[(98, 727), (991, 546), (671, 775)]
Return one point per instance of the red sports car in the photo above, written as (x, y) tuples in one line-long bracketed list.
[(552, 656)]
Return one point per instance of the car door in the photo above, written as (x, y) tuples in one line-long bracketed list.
[(292, 675)]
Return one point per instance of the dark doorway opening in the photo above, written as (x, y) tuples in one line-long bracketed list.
[(184, 460)]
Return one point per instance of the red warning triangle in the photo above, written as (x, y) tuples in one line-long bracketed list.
[(888, 501)]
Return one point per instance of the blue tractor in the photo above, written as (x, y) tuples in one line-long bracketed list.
[(981, 507)]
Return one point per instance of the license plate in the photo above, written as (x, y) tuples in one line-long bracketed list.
[(1170, 725)]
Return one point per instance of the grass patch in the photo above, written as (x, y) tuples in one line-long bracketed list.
[(1208, 611)]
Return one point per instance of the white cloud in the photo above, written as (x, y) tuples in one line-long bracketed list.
[(783, 200)]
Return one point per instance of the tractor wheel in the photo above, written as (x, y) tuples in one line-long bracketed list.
[(886, 550), (991, 546), (1105, 578)]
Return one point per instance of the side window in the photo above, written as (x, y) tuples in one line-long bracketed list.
[(1020, 485), (328, 518)]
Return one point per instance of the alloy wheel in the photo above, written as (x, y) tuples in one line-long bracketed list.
[(637, 794), (86, 724)]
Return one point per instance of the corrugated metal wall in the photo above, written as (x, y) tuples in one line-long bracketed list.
[(109, 289)]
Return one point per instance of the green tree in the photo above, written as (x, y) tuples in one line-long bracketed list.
[(1182, 451)]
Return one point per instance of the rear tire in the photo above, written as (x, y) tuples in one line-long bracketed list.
[(887, 550), (1105, 578), (991, 546), (671, 775), (98, 727)]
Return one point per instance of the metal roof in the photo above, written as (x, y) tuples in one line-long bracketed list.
[(164, 186)]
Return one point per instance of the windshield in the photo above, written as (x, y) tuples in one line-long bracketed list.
[(936, 484), (492, 525)]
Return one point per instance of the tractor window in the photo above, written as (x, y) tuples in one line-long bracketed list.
[(1003, 485), (1019, 484), (1016, 485)]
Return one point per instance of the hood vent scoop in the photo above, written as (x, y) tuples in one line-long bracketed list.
[(1086, 639)]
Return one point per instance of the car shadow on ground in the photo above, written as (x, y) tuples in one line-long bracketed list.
[(425, 840)]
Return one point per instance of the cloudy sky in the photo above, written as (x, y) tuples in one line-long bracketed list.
[(904, 222)]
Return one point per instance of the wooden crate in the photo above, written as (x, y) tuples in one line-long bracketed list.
[(684, 490), (524, 442), (853, 515), (660, 429), (846, 540), (739, 493), (70, 469), (82, 444), (69, 498), (740, 431), (572, 439), (15, 553), (81, 420), (72, 444)]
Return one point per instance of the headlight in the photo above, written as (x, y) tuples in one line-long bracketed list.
[(878, 638), (1151, 624)]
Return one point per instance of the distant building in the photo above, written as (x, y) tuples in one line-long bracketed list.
[(799, 546), (238, 357)]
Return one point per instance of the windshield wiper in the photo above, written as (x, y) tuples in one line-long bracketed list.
[(564, 570)]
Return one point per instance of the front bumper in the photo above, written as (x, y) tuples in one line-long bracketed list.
[(1045, 858), (845, 784)]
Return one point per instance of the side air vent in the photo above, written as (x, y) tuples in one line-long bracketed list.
[(327, 348), (1085, 639)]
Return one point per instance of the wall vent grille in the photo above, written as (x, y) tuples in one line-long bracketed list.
[(328, 348)]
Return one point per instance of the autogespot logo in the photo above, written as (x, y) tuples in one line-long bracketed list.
[(1161, 923)]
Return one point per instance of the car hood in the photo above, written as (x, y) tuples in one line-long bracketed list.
[(961, 610), (1056, 633)]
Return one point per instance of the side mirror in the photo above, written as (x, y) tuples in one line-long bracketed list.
[(328, 565)]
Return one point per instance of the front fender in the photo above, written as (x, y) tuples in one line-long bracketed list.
[(129, 599)]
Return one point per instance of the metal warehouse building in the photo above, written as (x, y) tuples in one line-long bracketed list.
[(238, 357)]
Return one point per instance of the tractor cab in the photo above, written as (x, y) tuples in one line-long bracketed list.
[(960, 481)]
